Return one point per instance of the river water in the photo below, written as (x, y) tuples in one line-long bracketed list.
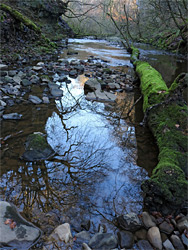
[(102, 157)]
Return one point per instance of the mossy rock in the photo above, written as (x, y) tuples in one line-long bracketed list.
[(37, 148)]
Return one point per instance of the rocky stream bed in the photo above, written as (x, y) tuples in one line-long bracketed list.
[(39, 86)]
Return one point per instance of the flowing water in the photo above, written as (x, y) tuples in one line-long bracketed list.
[(102, 157)]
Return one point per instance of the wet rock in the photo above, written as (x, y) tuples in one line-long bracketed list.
[(79, 68), (73, 73), (70, 53), (8, 79), (3, 73), (34, 79), (185, 240), (12, 73), (177, 243), (84, 235), (3, 66), (154, 237), (85, 247), (56, 92), (37, 148), (104, 241), (114, 85), (129, 222), (12, 116), (141, 234), (125, 239), (62, 233), (2, 103), (40, 64), (144, 245), (45, 100), (147, 221), (17, 79), (34, 99), (168, 245), (165, 227), (92, 85), (182, 224), (16, 232), (26, 82), (37, 68)]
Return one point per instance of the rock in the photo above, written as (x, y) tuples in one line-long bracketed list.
[(12, 116), (37, 148), (177, 243), (144, 245), (16, 232), (84, 235), (164, 237), (92, 85), (17, 79), (40, 64), (45, 100), (165, 227), (154, 237), (3, 73), (12, 73), (147, 221), (73, 73), (103, 241), (185, 240), (8, 79), (62, 232), (35, 79), (126, 239), (129, 222), (85, 247), (141, 234), (56, 92), (182, 224), (111, 97), (2, 103), (34, 99), (26, 82), (37, 68), (3, 67), (168, 245), (114, 85)]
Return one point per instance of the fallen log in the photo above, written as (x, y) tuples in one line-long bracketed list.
[(167, 113)]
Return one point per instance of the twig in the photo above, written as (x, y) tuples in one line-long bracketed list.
[(133, 106)]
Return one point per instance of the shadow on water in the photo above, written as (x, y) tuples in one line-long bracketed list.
[(101, 157)]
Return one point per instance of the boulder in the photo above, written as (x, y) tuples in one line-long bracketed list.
[(16, 232), (103, 241), (37, 148)]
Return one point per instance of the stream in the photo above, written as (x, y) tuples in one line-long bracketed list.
[(102, 158)]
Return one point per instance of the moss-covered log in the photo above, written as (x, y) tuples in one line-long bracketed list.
[(20, 18), (167, 116)]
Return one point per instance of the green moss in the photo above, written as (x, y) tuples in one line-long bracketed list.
[(36, 141), (152, 85), (19, 17), (134, 55)]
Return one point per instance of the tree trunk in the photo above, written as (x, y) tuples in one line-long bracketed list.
[(166, 114)]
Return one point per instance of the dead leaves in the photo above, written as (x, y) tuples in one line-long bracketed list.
[(11, 223)]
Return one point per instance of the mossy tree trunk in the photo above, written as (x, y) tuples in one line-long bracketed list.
[(167, 116)]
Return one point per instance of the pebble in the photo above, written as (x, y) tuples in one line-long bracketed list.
[(63, 232), (185, 240), (12, 116), (166, 227), (36, 68), (176, 242), (126, 239), (147, 221), (144, 245), (168, 245), (154, 237), (34, 99), (3, 66)]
